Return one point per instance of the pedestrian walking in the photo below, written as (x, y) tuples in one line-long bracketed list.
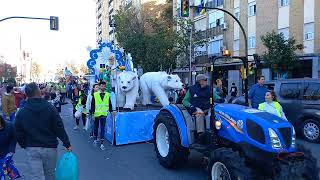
[(38, 125), (95, 89), (19, 96), (100, 106), (271, 105), (7, 138), (257, 93), (8, 104), (233, 92), (81, 107)]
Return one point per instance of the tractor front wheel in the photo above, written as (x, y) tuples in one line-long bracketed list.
[(298, 170), (227, 164), (167, 144)]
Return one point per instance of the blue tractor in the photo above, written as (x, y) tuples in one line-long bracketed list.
[(240, 142)]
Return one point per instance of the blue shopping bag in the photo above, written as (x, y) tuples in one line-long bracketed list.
[(67, 167)]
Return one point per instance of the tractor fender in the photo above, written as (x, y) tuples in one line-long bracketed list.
[(180, 121)]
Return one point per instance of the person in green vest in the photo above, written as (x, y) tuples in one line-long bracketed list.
[(84, 112), (63, 91), (271, 105), (100, 106)]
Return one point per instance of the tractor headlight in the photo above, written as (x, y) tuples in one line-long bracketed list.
[(218, 125), (274, 139), (293, 140)]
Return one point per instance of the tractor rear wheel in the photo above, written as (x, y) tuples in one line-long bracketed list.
[(167, 143), (301, 170), (227, 164)]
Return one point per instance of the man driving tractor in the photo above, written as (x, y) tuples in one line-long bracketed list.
[(197, 101)]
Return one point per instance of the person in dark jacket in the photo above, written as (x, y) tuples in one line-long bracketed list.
[(197, 101), (7, 138), (38, 125)]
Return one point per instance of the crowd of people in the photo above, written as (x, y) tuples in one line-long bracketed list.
[(31, 115)]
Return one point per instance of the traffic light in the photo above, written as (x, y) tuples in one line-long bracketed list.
[(54, 23), (243, 72), (251, 68), (185, 8), (257, 60)]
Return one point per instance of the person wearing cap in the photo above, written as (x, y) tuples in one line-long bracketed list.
[(197, 101)]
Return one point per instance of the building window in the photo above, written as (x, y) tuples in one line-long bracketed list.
[(215, 46), (219, 2), (309, 31), (236, 45), (99, 16), (285, 32), (110, 2), (216, 19), (252, 42), (283, 3), (308, 36), (220, 21), (252, 9), (111, 32), (237, 13)]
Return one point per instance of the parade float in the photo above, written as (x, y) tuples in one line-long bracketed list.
[(134, 120)]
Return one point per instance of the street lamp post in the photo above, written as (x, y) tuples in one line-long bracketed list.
[(245, 44)]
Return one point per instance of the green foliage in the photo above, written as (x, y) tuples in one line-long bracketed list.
[(151, 38), (280, 55)]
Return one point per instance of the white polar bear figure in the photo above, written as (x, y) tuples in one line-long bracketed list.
[(127, 89), (158, 83)]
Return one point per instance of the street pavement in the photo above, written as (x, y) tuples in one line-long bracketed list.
[(134, 161)]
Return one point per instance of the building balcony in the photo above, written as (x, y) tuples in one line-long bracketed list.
[(210, 33)]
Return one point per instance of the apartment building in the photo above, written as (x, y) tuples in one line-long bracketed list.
[(293, 18), (105, 10)]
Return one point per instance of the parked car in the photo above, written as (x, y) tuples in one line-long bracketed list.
[(300, 99)]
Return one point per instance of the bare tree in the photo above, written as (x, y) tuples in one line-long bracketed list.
[(35, 71)]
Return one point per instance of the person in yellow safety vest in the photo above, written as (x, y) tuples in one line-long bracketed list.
[(100, 106), (272, 105), (81, 104), (63, 92)]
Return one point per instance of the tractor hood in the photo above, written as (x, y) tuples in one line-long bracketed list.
[(241, 124), (238, 112)]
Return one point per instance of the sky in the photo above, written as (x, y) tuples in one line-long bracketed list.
[(77, 31)]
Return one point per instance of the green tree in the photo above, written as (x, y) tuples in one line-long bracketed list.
[(280, 55), (150, 36)]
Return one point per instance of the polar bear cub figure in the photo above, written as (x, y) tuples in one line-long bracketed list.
[(128, 86), (158, 83)]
